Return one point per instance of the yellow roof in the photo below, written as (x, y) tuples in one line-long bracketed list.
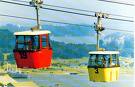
[(38, 32), (104, 52)]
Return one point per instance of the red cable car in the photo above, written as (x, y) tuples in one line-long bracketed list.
[(33, 49)]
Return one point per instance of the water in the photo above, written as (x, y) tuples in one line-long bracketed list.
[(51, 80)]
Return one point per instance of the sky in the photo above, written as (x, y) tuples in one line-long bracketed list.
[(93, 5)]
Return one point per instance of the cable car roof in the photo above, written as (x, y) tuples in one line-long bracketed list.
[(32, 32), (104, 52)]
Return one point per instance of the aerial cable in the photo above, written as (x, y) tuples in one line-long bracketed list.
[(74, 9), (71, 12), (19, 17), (119, 30), (117, 2)]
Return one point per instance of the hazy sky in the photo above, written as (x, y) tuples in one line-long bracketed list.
[(93, 5)]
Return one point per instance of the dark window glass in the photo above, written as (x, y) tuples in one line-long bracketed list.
[(35, 42), (114, 61), (107, 60), (20, 46), (20, 39), (103, 60), (49, 43), (44, 44), (92, 60), (27, 42), (99, 60), (20, 42)]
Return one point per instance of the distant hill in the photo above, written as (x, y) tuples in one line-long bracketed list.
[(69, 30), (119, 41), (61, 33), (71, 41), (57, 30), (60, 49)]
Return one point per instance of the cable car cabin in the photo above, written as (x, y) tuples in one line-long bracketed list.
[(32, 49), (103, 66)]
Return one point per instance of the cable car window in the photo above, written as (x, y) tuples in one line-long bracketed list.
[(49, 41), (20, 39), (20, 42), (92, 60), (44, 44), (103, 60), (117, 59), (20, 46), (28, 42), (27, 39), (99, 60), (107, 60), (114, 60), (35, 42)]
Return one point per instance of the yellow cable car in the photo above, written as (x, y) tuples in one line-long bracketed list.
[(103, 66)]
